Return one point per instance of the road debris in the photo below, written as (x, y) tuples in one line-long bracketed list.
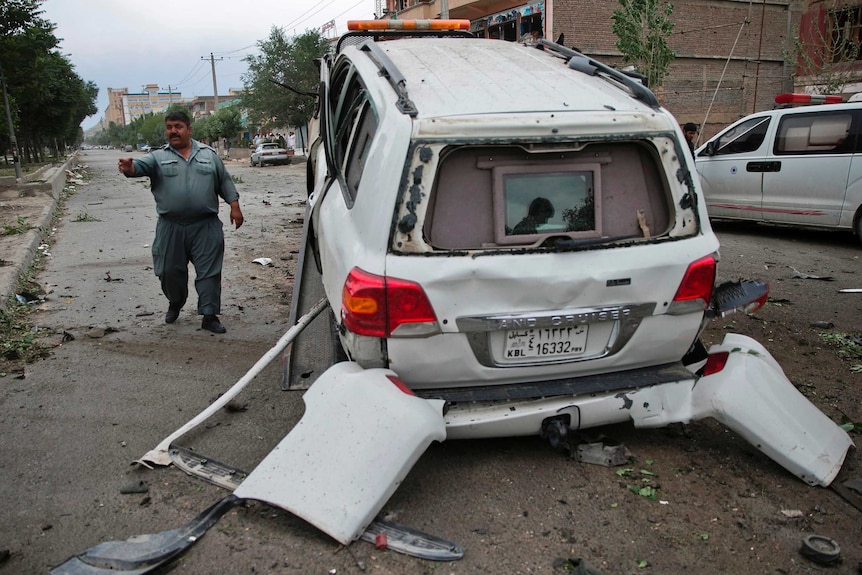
[(820, 549), (601, 454), (136, 487), (799, 275)]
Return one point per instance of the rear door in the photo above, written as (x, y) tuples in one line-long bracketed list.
[(732, 177), (810, 160)]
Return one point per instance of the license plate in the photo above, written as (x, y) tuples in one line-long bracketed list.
[(545, 342)]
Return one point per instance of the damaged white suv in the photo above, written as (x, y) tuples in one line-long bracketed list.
[(519, 231)]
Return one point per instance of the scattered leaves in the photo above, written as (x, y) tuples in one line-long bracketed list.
[(849, 348)]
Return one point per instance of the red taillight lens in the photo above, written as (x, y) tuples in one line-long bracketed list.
[(375, 306), (715, 362), (698, 282)]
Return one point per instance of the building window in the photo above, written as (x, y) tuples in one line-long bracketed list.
[(844, 33)]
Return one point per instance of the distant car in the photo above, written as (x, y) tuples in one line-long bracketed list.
[(145, 148), (792, 166), (268, 153), (128, 148)]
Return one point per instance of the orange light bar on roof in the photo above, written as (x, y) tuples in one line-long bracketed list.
[(408, 24), (807, 99)]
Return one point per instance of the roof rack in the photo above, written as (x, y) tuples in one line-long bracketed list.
[(389, 71), (587, 65)]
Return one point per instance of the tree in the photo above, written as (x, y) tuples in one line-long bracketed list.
[(226, 123), (289, 61), (18, 15), (202, 129), (827, 48), (47, 99), (643, 27)]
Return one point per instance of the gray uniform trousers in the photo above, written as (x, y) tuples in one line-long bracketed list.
[(200, 242)]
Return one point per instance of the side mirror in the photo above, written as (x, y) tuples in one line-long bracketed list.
[(710, 148)]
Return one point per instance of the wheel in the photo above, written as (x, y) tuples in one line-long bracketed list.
[(857, 226)]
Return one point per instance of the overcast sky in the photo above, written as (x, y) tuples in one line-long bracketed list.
[(128, 44)]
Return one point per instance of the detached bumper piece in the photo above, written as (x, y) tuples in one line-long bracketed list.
[(750, 394), (144, 553), (361, 433)]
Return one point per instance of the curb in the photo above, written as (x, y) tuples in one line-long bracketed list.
[(24, 252)]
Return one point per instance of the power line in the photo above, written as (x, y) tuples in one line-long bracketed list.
[(298, 19), (191, 73), (235, 51)]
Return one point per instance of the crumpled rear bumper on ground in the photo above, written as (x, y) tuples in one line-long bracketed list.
[(750, 395)]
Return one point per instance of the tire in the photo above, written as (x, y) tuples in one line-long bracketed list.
[(822, 550), (857, 226)]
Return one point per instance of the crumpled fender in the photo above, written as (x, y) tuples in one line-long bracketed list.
[(752, 396)]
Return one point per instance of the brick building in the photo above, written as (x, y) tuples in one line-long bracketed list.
[(731, 55), (830, 47)]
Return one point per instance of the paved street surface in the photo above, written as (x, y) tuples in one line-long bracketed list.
[(120, 380)]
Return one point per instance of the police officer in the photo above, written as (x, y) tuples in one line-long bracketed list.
[(186, 179)]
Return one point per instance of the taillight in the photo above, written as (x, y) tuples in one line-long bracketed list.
[(715, 362), (698, 282), (376, 306)]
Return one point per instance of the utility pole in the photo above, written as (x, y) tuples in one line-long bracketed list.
[(215, 88), (170, 95), (13, 143), (444, 9)]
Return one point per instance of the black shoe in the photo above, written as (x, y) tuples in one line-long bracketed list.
[(211, 323), (173, 313)]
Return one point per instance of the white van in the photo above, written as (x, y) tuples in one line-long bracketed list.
[(797, 166)]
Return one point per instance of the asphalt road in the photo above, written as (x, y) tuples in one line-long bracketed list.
[(120, 381)]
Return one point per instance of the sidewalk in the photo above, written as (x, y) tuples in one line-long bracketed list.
[(22, 206)]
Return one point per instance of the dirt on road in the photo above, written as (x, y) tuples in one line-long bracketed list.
[(119, 380)]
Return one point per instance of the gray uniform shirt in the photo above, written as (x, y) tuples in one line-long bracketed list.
[(187, 190)]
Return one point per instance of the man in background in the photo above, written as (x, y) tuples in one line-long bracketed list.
[(690, 132)]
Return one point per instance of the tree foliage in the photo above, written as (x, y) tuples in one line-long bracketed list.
[(47, 99), (826, 49), (642, 28), (150, 128), (226, 123), (289, 61)]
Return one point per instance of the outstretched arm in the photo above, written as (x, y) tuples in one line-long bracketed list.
[(126, 167)]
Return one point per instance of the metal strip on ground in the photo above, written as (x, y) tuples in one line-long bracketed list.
[(398, 538)]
